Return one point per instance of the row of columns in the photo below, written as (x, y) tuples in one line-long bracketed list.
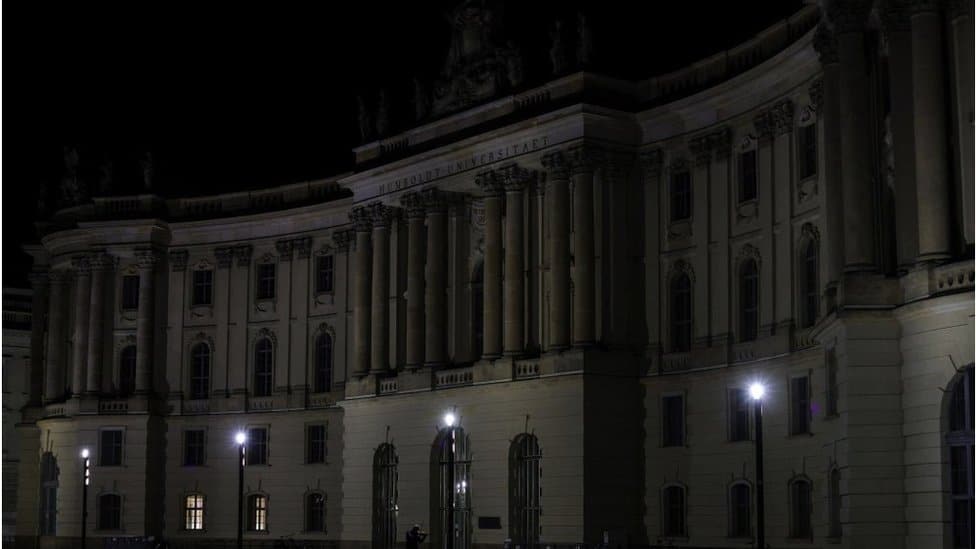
[(425, 212), (87, 358)]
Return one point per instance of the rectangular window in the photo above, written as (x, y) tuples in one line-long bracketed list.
[(315, 437), (680, 196), (808, 151), (747, 176), (257, 446), (257, 513), (738, 415), (831, 367), (673, 408), (323, 273), (194, 447), (799, 405), (202, 287), (194, 512), (110, 447), (130, 292), (800, 526), (110, 512), (266, 281)]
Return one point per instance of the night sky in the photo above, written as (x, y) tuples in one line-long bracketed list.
[(250, 98)]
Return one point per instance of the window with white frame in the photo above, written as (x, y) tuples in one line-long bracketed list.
[(263, 367), (202, 287), (200, 371), (257, 513), (193, 512), (110, 447)]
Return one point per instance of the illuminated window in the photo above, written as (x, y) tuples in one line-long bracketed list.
[(257, 513), (193, 512)]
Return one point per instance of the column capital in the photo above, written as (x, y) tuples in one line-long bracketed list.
[(514, 178), (302, 245), (848, 15), (382, 215), (437, 200), (555, 163), (344, 239), (102, 262), (584, 158), (224, 255), (58, 276), (720, 142), (959, 8), (39, 279), (763, 123), (413, 205), (285, 249), (651, 162), (816, 94), (243, 254), (825, 43), (490, 183), (361, 219), (81, 265), (923, 6), (147, 258), (896, 15), (700, 150), (178, 260), (782, 113)]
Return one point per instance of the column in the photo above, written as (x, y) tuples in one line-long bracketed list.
[(931, 149), (651, 163), (514, 180), (856, 172), (39, 296), (54, 365), (491, 184), (584, 306), (961, 21), (238, 307), (144, 322), (379, 357), (435, 204), (345, 241), (781, 259), (79, 354), (363, 281), (176, 284), (100, 264), (413, 205), (559, 312), (828, 111)]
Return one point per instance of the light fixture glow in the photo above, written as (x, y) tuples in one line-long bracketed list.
[(241, 437), (756, 391), (449, 419), (84, 453)]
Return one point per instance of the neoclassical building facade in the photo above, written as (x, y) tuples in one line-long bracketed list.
[(532, 317)]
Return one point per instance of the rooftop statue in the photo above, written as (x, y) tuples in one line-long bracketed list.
[(73, 189)]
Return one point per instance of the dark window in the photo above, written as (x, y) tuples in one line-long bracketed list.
[(811, 290), (738, 415), (194, 447), (315, 440), (525, 492), (202, 287), (748, 300), (673, 408), (808, 151), (323, 363), (831, 367), (263, 366), (833, 503), (110, 447), (315, 512), (800, 507), (960, 441), (127, 371), (323, 273), (110, 512), (130, 292), (681, 314), (478, 310), (799, 405), (385, 462), (49, 494), (257, 513), (257, 446), (266, 281), (680, 196), (740, 523), (200, 371), (193, 509), (673, 523), (747, 176)]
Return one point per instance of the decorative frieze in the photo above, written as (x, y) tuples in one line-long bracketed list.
[(782, 115), (178, 260)]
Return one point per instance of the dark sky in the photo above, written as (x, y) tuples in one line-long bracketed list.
[(254, 97)]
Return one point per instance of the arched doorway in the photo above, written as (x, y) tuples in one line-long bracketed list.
[(385, 462), (958, 426), (524, 491), (49, 495), (451, 490)]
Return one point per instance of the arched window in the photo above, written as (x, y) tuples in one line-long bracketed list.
[(323, 363), (524, 490), (385, 462), (833, 504), (673, 512), (315, 512), (257, 513), (452, 490), (740, 504), (263, 367), (49, 494), (200, 371), (127, 371), (193, 512), (810, 286), (681, 313), (800, 509), (110, 512), (748, 300), (959, 440), (478, 311)]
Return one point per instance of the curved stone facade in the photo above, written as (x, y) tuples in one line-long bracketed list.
[(601, 264)]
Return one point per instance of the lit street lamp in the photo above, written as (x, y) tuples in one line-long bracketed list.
[(241, 438), (85, 481), (757, 391), (449, 420)]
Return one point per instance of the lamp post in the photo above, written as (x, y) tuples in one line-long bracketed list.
[(757, 391), (241, 438), (85, 481), (449, 420)]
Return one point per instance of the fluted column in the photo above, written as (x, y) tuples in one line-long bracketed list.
[(582, 160), (144, 322), (558, 193), (931, 149), (413, 206), (491, 184), (39, 297), (96, 381), (79, 354), (54, 366), (859, 253), (514, 179), (379, 356), (435, 204), (362, 271), (961, 38)]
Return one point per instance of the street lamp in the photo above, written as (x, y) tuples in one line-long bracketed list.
[(450, 419), (85, 481), (240, 438), (757, 391)]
